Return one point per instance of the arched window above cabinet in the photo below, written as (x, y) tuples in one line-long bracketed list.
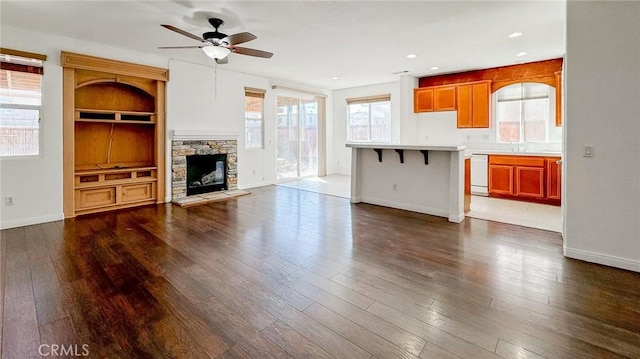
[(524, 112)]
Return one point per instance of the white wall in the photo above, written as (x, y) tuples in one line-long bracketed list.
[(341, 155), (36, 182), (194, 102), (602, 106), (197, 101), (443, 127)]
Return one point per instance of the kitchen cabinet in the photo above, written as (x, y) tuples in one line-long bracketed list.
[(473, 104), (500, 179), (558, 98), (554, 175), (435, 98), (530, 178), (467, 185), (529, 182)]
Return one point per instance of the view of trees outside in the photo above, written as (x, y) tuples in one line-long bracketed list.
[(297, 137), (19, 127), (253, 121), (523, 113), (370, 122)]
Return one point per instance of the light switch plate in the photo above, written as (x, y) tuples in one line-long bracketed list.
[(587, 151)]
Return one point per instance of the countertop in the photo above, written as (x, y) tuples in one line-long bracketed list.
[(514, 153), (413, 147)]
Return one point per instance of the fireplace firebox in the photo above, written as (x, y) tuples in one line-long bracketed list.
[(206, 173)]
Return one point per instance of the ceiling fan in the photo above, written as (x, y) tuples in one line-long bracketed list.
[(218, 45)]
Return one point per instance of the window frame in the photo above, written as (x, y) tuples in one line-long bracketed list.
[(254, 93), (37, 68), (369, 100)]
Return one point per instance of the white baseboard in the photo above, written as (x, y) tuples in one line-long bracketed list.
[(406, 206), (612, 261), (456, 218), (256, 184), (31, 220)]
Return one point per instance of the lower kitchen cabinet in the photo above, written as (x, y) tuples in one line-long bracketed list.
[(554, 174), (528, 178), (529, 182), (467, 185), (501, 179)]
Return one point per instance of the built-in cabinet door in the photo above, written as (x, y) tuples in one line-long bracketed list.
[(137, 192), (554, 175), (96, 197), (423, 99), (530, 182), (501, 179)]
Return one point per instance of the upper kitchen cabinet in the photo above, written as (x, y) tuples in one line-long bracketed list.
[(558, 98), (436, 98), (473, 104)]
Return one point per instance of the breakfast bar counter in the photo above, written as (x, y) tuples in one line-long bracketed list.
[(424, 178)]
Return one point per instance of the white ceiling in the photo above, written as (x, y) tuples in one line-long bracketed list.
[(360, 42)]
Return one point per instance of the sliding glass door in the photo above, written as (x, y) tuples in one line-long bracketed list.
[(296, 137)]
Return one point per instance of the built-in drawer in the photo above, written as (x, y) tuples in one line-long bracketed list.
[(137, 192), (90, 198), (526, 161)]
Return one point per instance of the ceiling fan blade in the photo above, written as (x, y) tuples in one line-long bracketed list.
[(251, 52), (182, 32), (180, 47), (239, 38), (224, 60)]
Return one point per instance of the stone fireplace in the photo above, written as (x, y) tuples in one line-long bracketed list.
[(198, 144)]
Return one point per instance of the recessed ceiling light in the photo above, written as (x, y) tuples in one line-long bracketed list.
[(513, 35), (335, 78), (519, 54), (435, 68), (412, 56)]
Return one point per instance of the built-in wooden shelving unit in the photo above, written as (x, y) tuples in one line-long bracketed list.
[(113, 134)]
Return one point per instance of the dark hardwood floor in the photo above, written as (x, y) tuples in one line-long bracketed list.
[(284, 273)]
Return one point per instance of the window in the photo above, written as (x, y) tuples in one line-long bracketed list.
[(20, 101), (523, 112), (253, 118), (369, 119)]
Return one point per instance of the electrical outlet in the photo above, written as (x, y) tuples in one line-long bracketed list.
[(8, 201), (254, 172), (395, 187)]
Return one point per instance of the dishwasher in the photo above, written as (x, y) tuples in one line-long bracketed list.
[(479, 174)]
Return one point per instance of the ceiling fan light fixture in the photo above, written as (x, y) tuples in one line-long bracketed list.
[(216, 52)]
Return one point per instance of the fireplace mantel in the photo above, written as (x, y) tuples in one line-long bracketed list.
[(201, 135)]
